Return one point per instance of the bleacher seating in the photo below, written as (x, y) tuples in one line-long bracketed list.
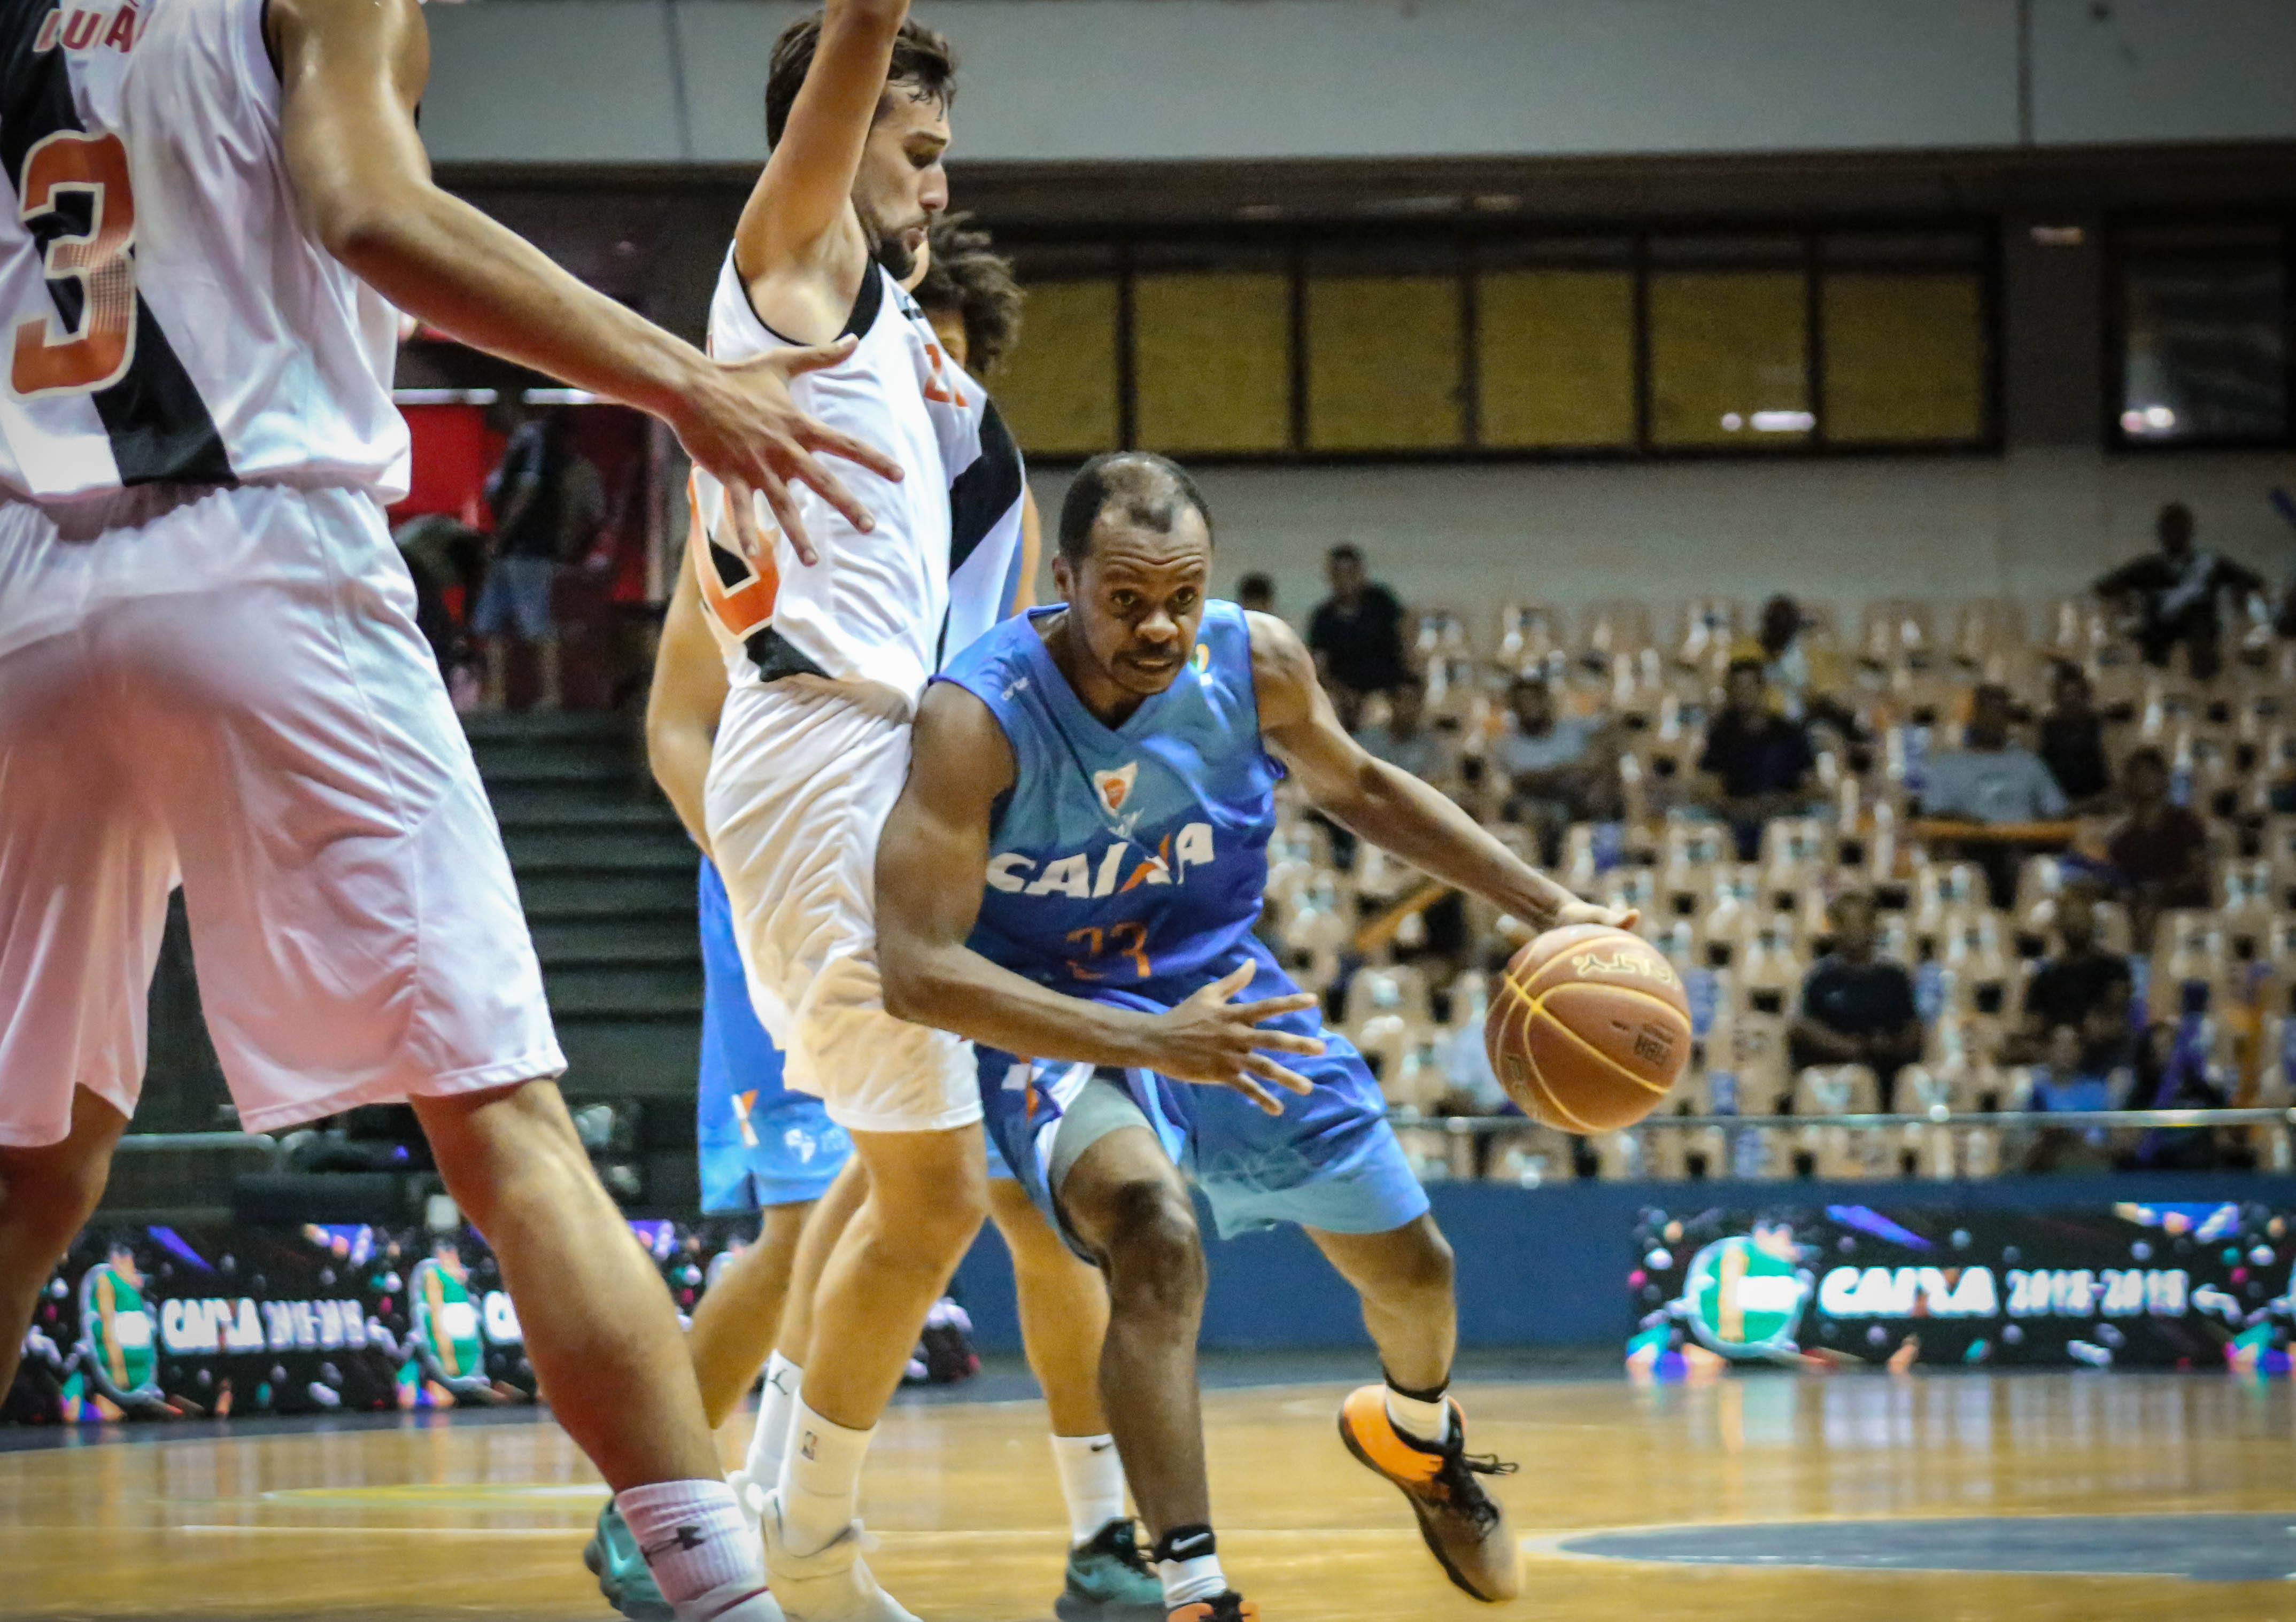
[(1744, 933)]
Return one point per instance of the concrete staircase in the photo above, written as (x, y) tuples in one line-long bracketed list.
[(607, 876)]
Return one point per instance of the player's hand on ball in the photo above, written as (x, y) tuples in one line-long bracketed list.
[(741, 424), (1515, 933), (1217, 1042), (1587, 911)]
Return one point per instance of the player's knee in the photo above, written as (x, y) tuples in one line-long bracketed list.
[(502, 1145), (1425, 1267), (1156, 1256), (933, 1192)]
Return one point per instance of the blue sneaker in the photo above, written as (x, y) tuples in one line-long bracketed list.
[(1110, 1580), (612, 1557)]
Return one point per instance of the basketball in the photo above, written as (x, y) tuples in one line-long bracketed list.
[(1589, 1030)]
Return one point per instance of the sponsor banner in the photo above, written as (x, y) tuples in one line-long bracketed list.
[(160, 1323), (2132, 1285)]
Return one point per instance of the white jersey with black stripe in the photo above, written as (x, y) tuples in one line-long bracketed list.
[(164, 315), (888, 607)]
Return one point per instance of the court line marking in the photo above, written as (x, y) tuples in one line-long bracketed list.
[(947, 1534), (1548, 1545)]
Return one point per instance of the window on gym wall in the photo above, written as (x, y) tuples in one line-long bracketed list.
[(1729, 344), (1059, 390), (1211, 357), (1555, 344), (2202, 341), (1450, 337), (1902, 331)]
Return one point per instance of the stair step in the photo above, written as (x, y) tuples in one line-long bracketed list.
[(624, 1057), (642, 991), (580, 724), (605, 850), (569, 893), (577, 805), (514, 763), (609, 941)]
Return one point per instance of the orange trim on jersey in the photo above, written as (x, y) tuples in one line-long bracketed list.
[(740, 608)]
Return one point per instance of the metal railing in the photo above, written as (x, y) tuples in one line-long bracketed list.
[(1470, 1125), (188, 1143)]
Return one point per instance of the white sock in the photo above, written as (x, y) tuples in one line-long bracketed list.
[(1188, 1563), (821, 1480), (776, 1408), (1420, 1420), (694, 1539), (1092, 1481)]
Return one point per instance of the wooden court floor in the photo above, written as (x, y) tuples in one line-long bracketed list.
[(435, 1519)]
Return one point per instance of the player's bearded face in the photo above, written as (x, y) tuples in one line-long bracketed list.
[(901, 186)]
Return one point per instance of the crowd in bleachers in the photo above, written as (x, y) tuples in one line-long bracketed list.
[(1928, 858)]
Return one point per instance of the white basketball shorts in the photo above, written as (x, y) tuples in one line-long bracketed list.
[(803, 775), (227, 685)]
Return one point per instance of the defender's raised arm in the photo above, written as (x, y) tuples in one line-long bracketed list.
[(351, 72)]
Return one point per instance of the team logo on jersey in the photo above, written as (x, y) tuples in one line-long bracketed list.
[(1114, 788), (1084, 876)]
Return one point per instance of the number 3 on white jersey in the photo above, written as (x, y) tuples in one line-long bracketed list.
[(96, 355)]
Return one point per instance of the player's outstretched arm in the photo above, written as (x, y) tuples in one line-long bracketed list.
[(932, 866), (684, 704), (1386, 805), (799, 246), (351, 72)]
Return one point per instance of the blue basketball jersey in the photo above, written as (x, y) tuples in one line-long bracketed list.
[(1127, 866), (1130, 858)]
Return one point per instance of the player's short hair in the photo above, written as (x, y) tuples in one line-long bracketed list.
[(964, 275), (1150, 489), (923, 60), (1348, 549), (1747, 663)]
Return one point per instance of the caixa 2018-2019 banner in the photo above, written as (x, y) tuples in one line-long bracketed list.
[(165, 1322), (2160, 1286)]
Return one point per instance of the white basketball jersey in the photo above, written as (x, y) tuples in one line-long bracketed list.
[(941, 566), (163, 315)]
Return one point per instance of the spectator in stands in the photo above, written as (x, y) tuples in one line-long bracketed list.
[(2065, 1081), (1357, 634), (547, 500), (1256, 593), (1857, 1008), (2172, 1073), (1553, 768), (1756, 763), (2160, 853), (2176, 590), (1406, 740), (2084, 989), (1803, 680), (2073, 740), (1990, 781)]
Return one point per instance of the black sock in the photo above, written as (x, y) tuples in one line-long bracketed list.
[(1185, 1542), (1433, 1394)]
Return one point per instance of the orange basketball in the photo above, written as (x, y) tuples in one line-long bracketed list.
[(1589, 1030)]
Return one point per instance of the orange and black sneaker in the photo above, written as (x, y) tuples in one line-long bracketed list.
[(1465, 1530), (1229, 1606)]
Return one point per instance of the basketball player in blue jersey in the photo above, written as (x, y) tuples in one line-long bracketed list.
[(1072, 874)]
